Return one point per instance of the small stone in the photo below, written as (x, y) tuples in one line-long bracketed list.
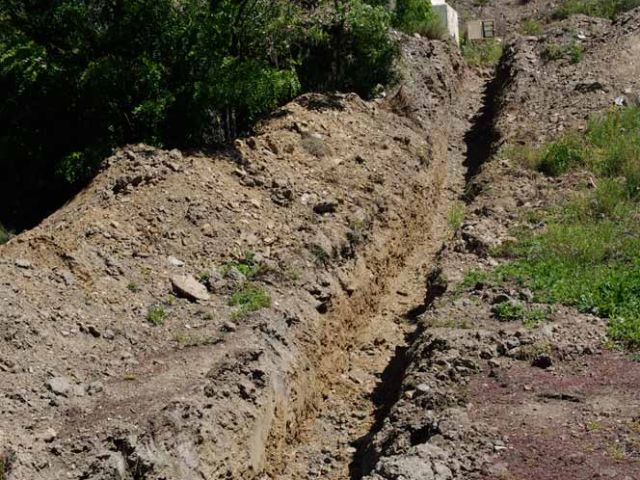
[(22, 263), (423, 387), (60, 386), (188, 287), (108, 335), (49, 435), (175, 261), (229, 326), (94, 388)]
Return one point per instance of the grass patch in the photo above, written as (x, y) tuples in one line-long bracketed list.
[(456, 216), (133, 287), (250, 298), (156, 315), (588, 255), (484, 53), (573, 52), (595, 8), (247, 266), (531, 27), (517, 312)]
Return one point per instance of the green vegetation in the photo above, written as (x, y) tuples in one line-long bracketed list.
[(573, 51), (484, 53), (595, 8), (250, 298), (247, 266), (531, 27), (588, 255), (513, 311), (456, 216), (156, 315), (80, 78), (133, 287), (4, 235), (417, 16)]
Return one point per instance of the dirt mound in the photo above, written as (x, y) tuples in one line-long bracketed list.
[(484, 397), (168, 322)]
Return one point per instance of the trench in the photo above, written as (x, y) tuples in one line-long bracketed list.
[(336, 442)]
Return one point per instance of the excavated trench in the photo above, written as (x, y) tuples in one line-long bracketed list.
[(333, 440)]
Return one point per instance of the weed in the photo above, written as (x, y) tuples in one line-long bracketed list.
[(456, 216), (573, 51), (616, 452), (534, 317), (315, 146), (129, 377), (187, 340), (485, 53), (531, 27), (156, 315), (203, 277), (250, 298), (593, 426), (5, 236), (133, 287), (321, 256), (247, 266), (509, 311)]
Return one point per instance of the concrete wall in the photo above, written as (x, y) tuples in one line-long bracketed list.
[(448, 17)]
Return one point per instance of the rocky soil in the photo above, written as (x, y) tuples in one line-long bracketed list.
[(128, 352)]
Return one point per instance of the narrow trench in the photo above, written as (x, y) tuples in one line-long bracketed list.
[(481, 142), (477, 145)]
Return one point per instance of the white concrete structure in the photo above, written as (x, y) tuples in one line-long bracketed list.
[(448, 17)]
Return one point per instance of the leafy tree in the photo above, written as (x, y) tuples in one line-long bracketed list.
[(81, 77)]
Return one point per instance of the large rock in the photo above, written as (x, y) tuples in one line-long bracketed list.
[(188, 287)]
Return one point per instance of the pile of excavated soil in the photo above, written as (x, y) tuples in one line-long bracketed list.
[(121, 354), (484, 398)]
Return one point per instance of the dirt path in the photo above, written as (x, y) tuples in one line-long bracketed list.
[(333, 443)]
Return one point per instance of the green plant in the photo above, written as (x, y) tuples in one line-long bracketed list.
[(133, 287), (595, 8), (417, 16), (4, 235), (80, 78), (573, 51), (247, 266), (456, 216), (156, 315), (250, 298), (531, 27), (484, 53), (509, 311), (320, 255)]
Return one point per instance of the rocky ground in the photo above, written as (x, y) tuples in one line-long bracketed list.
[(126, 351)]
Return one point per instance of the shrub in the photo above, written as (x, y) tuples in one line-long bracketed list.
[(417, 16), (156, 315), (484, 53), (532, 27), (573, 51)]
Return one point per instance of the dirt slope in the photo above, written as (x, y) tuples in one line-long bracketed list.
[(488, 399), (330, 197)]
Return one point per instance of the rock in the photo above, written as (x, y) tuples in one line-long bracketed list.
[(188, 287), (621, 101), (542, 361), (108, 335), (229, 326), (235, 278), (175, 261), (60, 386), (49, 435), (22, 263), (94, 388)]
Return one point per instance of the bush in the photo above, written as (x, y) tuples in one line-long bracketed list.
[(484, 53), (80, 78), (531, 27), (250, 298), (574, 52), (595, 8), (417, 16)]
